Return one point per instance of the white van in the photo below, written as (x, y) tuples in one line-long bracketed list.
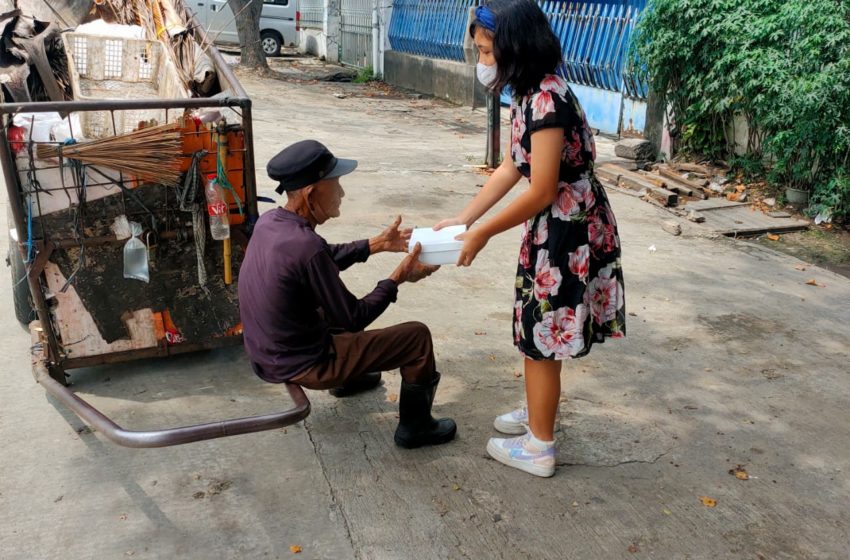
[(278, 23)]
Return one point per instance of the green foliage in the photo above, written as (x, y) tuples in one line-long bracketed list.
[(784, 65), (365, 75)]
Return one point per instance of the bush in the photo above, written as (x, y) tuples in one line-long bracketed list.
[(784, 65)]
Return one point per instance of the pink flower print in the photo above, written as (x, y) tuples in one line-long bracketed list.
[(554, 84), (604, 296), (542, 105), (589, 199), (573, 149), (517, 131), (547, 278), (517, 321), (600, 234), (541, 234), (561, 332), (567, 204), (580, 262)]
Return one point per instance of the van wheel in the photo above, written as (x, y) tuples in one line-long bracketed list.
[(272, 43)]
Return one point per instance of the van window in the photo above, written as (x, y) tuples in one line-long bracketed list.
[(277, 2)]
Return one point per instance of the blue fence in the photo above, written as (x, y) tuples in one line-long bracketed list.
[(594, 36), (432, 28)]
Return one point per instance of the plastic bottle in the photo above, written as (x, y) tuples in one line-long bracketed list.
[(217, 209)]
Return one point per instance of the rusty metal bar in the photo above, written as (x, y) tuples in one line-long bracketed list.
[(13, 190), (120, 104), (172, 436), (152, 352)]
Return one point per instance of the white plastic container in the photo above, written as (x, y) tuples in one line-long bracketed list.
[(438, 247)]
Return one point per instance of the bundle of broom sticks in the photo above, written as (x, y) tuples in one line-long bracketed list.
[(151, 154)]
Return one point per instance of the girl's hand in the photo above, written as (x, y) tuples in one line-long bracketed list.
[(456, 221), (473, 242)]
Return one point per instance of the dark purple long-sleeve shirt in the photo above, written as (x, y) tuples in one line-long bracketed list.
[(288, 275)]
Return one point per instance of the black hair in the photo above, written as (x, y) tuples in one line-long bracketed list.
[(524, 45)]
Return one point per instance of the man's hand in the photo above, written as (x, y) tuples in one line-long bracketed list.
[(393, 239), (411, 270)]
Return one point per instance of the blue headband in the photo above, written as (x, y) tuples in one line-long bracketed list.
[(485, 17)]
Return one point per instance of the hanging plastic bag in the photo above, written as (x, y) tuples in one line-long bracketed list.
[(136, 256)]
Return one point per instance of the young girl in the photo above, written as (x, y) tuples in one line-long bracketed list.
[(569, 283)]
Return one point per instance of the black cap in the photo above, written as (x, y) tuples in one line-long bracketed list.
[(305, 163)]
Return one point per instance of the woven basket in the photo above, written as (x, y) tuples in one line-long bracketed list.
[(120, 68)]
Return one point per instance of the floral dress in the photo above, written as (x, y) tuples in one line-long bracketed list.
[(569, 285)]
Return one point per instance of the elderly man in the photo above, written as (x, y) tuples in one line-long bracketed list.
[(301, 325)]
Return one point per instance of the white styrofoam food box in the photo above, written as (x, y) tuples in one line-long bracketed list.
[(438, 247)]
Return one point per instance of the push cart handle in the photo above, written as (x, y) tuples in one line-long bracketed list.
[(172, 436)]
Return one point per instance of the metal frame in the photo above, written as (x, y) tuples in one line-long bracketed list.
[(49, 369)]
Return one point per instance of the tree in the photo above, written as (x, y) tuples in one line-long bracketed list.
[(248, 27)]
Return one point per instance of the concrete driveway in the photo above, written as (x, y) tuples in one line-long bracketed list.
[(731, 360)]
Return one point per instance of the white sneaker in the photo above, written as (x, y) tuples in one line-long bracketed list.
[(526, 453), (515, 422)]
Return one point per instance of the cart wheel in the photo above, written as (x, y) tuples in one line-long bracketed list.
[(24, 311), (271, 42)]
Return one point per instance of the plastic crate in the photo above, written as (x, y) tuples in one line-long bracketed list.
[(120, 68)]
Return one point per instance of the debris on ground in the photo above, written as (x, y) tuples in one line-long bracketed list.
[(740, 473)]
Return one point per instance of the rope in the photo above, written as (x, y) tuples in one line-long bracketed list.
[(187, 197), (221, 174)]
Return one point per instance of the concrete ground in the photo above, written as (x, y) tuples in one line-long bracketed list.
[(731, 360)]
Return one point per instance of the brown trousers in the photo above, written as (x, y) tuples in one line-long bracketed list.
[(407, 346)]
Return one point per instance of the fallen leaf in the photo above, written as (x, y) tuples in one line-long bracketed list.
[(392, 397), (800, 267), (708, 502), (740, 188), (493, 358), (123, 517), (667, 512), (773, 237), (480, 333), (455, 487), (295, 549), (740, 473), (517, 374), (813, 282), (575, 504), (633, 548)]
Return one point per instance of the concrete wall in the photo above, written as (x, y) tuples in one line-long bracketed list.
[(453, 81), (313, 42)]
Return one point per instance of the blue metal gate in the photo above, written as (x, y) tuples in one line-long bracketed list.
[(594, 35)]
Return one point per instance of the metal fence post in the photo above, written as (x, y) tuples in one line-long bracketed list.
[(494, 123)]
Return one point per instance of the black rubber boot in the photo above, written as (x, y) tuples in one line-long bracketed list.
[(416, 426), (357, 385)]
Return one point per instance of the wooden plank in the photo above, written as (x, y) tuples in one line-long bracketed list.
[(743, 221), (638, 182), (654, 179), (77, 328), (692, 167), (671, 174), (714, 204), (609, 172)]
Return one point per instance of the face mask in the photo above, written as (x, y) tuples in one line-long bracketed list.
[(486, 74), (321, 216)]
